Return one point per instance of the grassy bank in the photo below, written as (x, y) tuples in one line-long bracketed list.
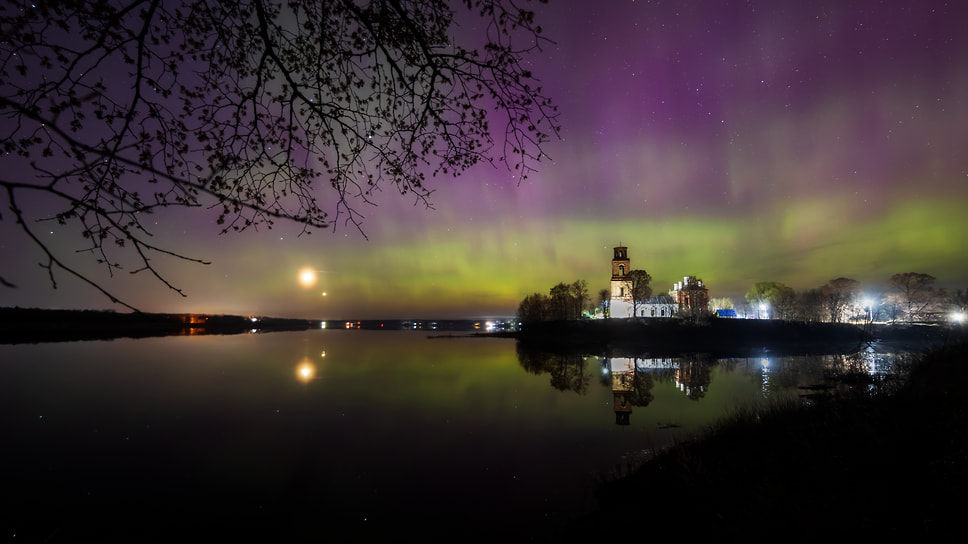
[(863, 467)]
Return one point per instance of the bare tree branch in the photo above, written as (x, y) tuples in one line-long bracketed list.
[(260, 110)]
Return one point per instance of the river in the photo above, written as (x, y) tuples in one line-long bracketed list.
[(367, 430)]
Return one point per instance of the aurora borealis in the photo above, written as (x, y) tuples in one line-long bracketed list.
[(735, 141)]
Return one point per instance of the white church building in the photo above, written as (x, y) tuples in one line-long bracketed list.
[(620, 303), (689, 294)]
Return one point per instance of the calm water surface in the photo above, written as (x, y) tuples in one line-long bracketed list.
[(355, 427)]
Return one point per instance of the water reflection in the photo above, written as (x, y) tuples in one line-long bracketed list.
[(306, 370), (631, 380), (358, 428)]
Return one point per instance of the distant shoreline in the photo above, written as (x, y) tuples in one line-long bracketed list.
[(617, 337), (31, 326), (35, 325)]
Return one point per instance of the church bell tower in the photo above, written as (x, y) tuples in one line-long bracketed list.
[(620, 287), (620, 263)]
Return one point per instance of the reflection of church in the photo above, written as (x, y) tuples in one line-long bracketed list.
[(623, 385), (693, 377), (630, 388), (629, 385)]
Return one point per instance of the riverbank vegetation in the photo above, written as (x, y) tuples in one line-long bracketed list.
[(862, 465)]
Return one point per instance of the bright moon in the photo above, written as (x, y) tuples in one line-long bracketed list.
[(307, 277)]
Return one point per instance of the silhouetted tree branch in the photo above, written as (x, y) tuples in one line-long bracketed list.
[(261, 110)]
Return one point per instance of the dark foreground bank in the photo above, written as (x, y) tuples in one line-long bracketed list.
[(887, 466)]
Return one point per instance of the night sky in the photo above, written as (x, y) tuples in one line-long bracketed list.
[(734, 141)]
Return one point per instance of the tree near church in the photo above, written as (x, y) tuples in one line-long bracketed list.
[(777, 297), (915, 292), (533, 308), (838, 296), (564, 301), (579, 296), (809, 305), (721, 303), (958, 300), (639, 284), (561, 302), (258, 110), (604, 299)]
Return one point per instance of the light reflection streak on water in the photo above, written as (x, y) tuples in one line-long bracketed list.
[(767, 382)]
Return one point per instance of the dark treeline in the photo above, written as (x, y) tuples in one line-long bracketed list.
[(909, 297), (563, 302)]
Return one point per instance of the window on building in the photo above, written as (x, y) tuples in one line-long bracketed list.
[(621, 270)]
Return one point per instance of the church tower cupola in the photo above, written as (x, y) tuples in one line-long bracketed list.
[(620, 263)]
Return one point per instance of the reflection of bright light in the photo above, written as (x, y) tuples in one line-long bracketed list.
[(307, 277), (305, 371)]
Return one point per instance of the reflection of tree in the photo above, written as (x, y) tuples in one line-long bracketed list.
[(567, 371), (568, 374), (642, 384), (535, 362)]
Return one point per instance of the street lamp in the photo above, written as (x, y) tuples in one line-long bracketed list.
[(764, 307)]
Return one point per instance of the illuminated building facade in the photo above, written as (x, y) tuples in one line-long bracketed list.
[(691, 294)]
